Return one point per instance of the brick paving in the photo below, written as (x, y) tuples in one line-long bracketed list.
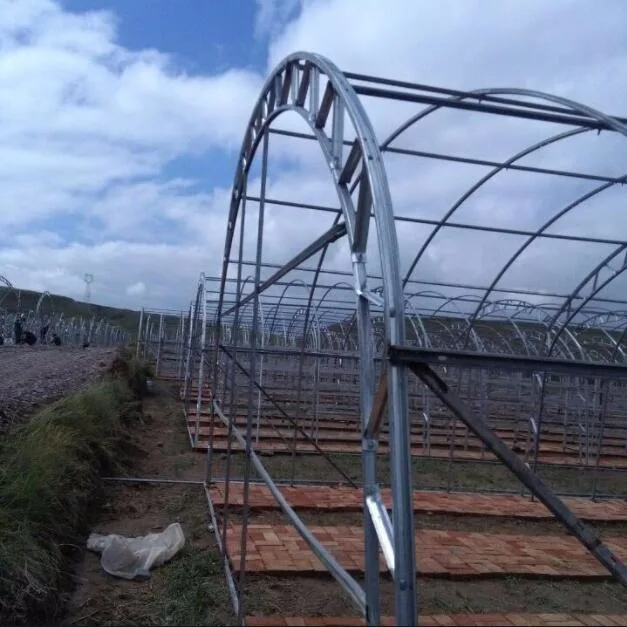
[(280, 549), (441, 429), (455, 620), (342, 436), (327, 498), (352, 438), (220, 445)]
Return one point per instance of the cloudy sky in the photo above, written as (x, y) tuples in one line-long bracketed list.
[(121, 121)]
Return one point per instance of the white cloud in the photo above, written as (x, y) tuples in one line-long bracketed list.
[(272, 16), (563, 47), (137, 289), (86, 130), (88, 127)]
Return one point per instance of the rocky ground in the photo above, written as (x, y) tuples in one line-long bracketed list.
[(31, 377)]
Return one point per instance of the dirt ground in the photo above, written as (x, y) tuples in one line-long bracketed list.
[(438, 474), (189, 590), (31, 377), (319, 595), (315, 596)]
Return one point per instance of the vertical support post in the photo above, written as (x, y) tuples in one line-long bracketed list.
[(181, 347), (401, 474), (252, 371), (146, 344), (139, 331), (367, 376), (603, 401), (263, 343), (232, 401), (201, 366), (159, 346), (542, 381), (186, 385), (299, 396)]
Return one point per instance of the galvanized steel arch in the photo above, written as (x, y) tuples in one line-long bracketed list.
[(295, 80), (568, 104), (292, 283), (455, 300), (531, 239), (267, 109), (574, 106)]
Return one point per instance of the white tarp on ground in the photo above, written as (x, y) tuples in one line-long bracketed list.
[(131, 558)]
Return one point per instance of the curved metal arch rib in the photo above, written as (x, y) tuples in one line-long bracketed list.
[(572, 105), (532, 238), (293, 83), (483, 180)]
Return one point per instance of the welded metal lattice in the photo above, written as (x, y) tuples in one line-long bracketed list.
[(533, 378)]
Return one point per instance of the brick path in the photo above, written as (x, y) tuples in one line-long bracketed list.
[(456, 620), (437, 439), (220, 445), (279, 549), (340, 436), (441, 429), (328, 498)]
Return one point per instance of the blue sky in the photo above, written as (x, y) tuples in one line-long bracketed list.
[(205, 37), (119, 131), (201, 38)]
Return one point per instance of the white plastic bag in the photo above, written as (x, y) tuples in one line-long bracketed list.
[(131, 558)]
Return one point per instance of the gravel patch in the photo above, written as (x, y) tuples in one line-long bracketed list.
[(31, 377)]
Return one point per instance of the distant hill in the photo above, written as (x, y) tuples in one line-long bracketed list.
[(26, 300)]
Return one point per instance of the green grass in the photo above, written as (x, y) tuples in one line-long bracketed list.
[(435, 474), (50, 471), (194, 592)]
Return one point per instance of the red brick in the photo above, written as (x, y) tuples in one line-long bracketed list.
[(438, 552), (330, 498)]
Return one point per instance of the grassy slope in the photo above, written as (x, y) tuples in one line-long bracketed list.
[(124, 318), (49, 474)]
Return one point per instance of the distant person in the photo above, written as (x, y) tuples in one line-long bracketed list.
[(30, 338), (18, 328), (56, 340), (43, 332), (1, 339)]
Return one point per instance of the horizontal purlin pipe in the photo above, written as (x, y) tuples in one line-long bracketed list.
[(456, 225), (287, 352), (461, 286), (294, 422), (391, 82), (332, 235), (577, 120), (352, 588), (530, 480), (436, 156), (467, 359)]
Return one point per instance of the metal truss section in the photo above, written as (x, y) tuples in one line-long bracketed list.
[(347, 340)]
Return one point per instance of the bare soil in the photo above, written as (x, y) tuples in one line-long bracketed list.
[(190, 589), (317, 596), (436, 474), (31, 377), (454, 522)]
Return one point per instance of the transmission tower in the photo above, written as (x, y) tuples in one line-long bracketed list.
[(89, 279)]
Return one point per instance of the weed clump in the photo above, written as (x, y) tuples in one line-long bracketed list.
[(50, 471), (191, 595)]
